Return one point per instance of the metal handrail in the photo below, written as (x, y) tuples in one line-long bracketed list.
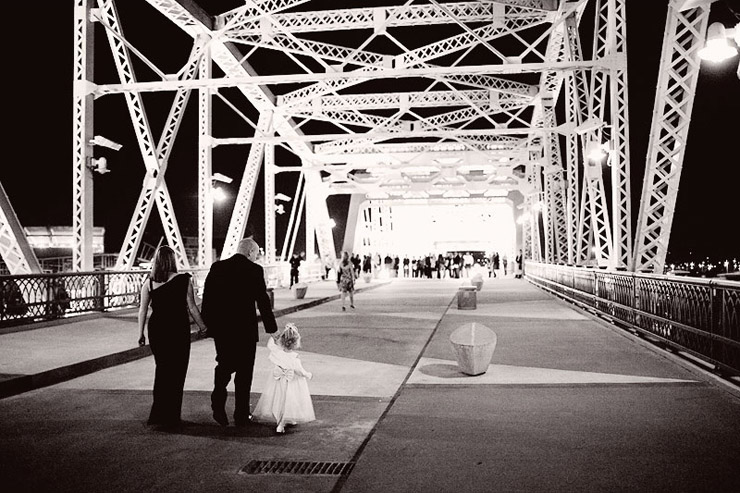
[(700, 317), (36, 297)]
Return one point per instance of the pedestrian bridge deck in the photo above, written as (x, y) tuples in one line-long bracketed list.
[(569, 403)]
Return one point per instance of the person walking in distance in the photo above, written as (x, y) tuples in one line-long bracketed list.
[(171, 297), (518, 260), (233, 286), (285, 399), (295, 263), (346, 280)]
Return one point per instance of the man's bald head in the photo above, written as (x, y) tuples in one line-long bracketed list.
[(249, 248)]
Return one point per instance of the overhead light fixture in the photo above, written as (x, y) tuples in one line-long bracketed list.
[(588, 126), (718, 47), (283, 197), (221, 178), (99, 165), (102, 141)]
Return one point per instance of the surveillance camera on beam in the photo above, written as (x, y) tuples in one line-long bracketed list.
[(102, 141)]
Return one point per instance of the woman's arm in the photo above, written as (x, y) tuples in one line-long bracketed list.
[(193, 308), (143, 310)]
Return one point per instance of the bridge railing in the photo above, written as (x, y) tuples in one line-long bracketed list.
[(37, 297), (699, 317)]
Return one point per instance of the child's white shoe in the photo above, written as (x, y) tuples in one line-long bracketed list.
[(280, 428)]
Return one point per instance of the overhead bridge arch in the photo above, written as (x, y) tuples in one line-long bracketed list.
[(415, 101)]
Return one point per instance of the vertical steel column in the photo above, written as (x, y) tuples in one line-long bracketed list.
[(576, 105), (269, 180), (318, 222), (350, 243), (205, 169), (82, 114), (620, 158)]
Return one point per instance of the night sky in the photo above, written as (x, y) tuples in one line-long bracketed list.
[(37, 172)]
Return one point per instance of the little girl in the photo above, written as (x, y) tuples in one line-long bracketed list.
[(285, 398)]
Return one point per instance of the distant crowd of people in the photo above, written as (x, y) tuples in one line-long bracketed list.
[(451, 265)]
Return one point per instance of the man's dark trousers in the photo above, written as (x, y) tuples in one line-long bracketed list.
[(242, 366)]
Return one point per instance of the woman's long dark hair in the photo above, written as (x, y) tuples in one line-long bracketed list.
[(164, 264)]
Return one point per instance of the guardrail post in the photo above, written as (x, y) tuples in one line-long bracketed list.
[(101, 289)]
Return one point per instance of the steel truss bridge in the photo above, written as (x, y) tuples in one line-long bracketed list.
[(416, 102), (427, 102)]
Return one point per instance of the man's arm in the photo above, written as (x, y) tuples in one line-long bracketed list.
[(210, 297), (263, 303)]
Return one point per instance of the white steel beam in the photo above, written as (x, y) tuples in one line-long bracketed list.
[(205, 168), (269, 200), (382, 18), (684, 35), (15, 251), (82, 114), (153, 162), (239, 217)]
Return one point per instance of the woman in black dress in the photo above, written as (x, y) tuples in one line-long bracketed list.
[(172, 300)]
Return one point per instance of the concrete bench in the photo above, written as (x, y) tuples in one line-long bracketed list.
[(473, 345)]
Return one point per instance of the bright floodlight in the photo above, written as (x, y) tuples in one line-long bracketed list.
[(718, 48), (218, 194), (596, 151)]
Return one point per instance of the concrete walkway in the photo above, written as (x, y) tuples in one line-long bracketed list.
[(568, 403)]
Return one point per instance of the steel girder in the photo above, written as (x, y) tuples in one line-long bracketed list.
[(481, 114), (269, 201), (82, 121), (684, 35), (205, 167), (15, 251), (155, 158)]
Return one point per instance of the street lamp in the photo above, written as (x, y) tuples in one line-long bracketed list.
[(718, 47), (217, 193), (281, 197), (595, 151)]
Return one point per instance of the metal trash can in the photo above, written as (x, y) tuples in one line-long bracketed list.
[(467, 298)]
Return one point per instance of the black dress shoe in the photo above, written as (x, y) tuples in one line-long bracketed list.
[(220, 417), (240, 422)]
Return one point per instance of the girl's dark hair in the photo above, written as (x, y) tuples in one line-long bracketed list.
[(164, 264)]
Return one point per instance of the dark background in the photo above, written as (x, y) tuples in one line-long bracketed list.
[(37, 170)]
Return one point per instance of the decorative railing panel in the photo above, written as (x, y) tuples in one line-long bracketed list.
[(36, 297), (696, 316)]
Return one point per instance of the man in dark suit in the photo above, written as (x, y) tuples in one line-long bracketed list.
[(232, 288)]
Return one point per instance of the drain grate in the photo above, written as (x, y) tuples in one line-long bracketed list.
[(308, 468)]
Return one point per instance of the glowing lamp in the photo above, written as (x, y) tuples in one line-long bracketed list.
[(596, 151), (218, 194), (718, 48)]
